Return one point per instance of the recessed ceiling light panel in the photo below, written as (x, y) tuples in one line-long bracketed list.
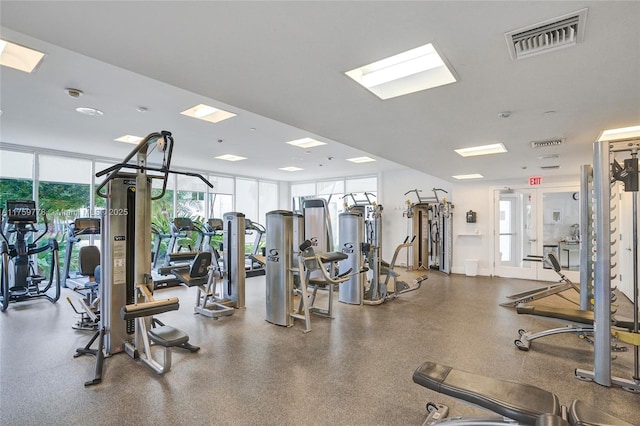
[(495, 148), (19, 57), (230, 157), (290, 169), (129, 139), (361, 159), (470, 176), (621, 133), (90, 111), (306, 143), (208, 113), (407, 72)]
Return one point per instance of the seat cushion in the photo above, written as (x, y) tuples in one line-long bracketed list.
[(168, 336)]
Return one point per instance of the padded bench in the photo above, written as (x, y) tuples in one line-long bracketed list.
[(568, 314), (524, 403)]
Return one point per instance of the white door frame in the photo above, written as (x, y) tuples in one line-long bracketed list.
[(536, 271)]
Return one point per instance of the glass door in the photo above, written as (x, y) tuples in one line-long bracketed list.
[(560, 231), (534, 222), (515, 232)]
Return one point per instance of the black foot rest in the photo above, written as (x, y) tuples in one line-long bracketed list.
[(524, 403), (583, 414), (168, 336)]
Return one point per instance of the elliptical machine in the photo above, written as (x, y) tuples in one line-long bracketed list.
[(19, 276)]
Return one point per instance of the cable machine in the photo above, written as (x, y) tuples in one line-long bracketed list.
[(607, 170), (127, 305), (430, 221)]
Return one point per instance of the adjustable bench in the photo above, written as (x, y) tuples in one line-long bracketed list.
[(582, 323), (526, 404)]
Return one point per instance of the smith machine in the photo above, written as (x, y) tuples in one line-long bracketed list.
[(607, 171)]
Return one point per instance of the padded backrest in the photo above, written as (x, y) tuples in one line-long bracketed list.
[(88, 259), (200, 266), (554, 262)]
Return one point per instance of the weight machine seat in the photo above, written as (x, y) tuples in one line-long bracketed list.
[(198, 273), (568, 314), (583, 414), (88, 259), (168, 336), (333, 256), (520, 402)]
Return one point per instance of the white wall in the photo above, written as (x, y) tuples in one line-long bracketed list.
[(472, 240), (479, 198)]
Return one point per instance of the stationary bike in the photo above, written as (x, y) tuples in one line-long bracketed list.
[(19, 278)]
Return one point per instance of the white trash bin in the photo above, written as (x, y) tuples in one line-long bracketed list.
[(471, 267)]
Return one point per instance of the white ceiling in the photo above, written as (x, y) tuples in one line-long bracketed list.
[(280, 66)]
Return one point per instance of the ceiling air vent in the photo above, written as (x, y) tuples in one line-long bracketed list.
[(550, 167), (546, 143), (563, 31)]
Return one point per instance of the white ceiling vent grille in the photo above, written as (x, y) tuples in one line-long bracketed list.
[(546, 143), (543, 37)]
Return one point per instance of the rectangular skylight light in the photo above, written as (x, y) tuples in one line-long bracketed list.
[(290, 169), (129, 139), (230, 157), (495, 148), (407, 72), (306, 143), (621, 133), (208, 113), (360, 159), (19, 57), (470, 176)]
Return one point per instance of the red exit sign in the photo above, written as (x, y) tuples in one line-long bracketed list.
[(535, 180)]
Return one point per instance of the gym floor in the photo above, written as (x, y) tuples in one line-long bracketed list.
[(355, 369)]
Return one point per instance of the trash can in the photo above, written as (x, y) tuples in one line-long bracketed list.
[(471, 267)]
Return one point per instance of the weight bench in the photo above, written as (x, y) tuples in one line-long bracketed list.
[(165, 336), (200, 275), (525, 404)]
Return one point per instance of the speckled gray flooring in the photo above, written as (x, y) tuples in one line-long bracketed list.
[(353, 370)]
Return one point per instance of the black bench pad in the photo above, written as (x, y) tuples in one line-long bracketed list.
[(524, 403), (168, 336), (583, 414)]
